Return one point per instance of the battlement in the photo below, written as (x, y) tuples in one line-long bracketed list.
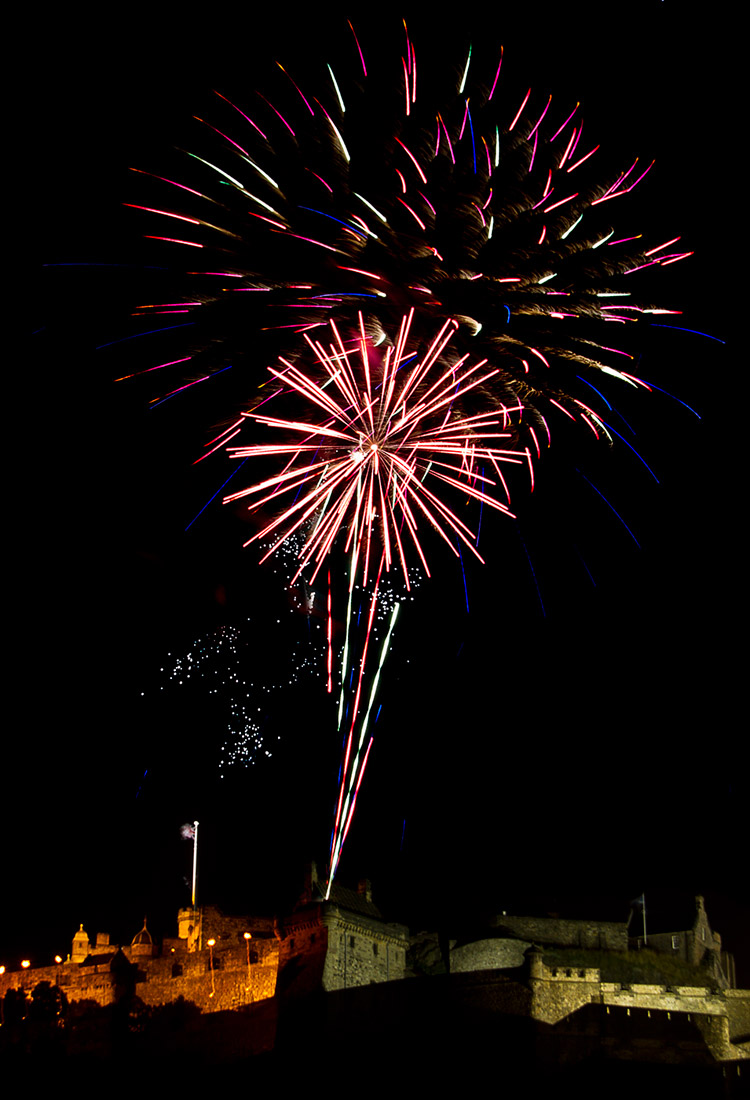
[(667, 998), (570, 973), (721, 1015)]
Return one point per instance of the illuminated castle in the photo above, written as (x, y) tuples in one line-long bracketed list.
[(227, 987), (220, 962)]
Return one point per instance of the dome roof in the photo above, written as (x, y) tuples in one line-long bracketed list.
[(143, 937)]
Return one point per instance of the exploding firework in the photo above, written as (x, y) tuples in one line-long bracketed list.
[(431, 283), (390, 428), (364, 198)]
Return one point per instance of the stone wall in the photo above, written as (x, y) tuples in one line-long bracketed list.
[(496, 954), (738, 1011), (361, 950), (162, 980), (720, 1015), (197, 926), (230, 983), (558, 991), (552, 931)]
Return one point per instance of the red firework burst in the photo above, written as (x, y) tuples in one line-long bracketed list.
[(386, 422)]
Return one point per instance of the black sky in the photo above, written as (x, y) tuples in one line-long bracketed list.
[(573, 758)]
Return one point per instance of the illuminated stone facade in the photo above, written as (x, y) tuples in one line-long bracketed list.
[(347, 934), (253, 970), (228, 974)]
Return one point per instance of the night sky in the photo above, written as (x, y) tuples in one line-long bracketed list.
[(564, 746)]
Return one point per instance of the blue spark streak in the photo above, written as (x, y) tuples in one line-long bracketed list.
[(695, 331), (622, 521), (199, 514), (632, 448), (346, 225), (151, 331)]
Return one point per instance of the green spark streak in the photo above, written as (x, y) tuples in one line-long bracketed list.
[(466, 73), (345, 656), (363, 731)]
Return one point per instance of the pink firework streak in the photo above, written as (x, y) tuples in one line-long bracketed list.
[(383, 431), (383, 446)]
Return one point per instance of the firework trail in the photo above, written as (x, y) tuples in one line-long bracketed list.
[(437, 285), (362, 475)]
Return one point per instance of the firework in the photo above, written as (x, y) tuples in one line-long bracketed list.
[(361, 475), (363, 468), (294, 207), (434, 285), (217, 665)]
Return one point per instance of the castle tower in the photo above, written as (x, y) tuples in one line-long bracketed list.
[(81, 948), (535, 961), (190, 927)]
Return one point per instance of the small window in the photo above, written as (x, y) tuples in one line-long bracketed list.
[(374, 949), (675, 942), (177, 970), (351, 942)]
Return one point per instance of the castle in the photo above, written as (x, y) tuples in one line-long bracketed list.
[(245, 972), (219, 962)]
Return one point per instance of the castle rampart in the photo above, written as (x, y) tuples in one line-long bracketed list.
[(722, 1016)]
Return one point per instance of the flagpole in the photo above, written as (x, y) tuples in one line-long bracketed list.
[(195, 858), (645, 937)]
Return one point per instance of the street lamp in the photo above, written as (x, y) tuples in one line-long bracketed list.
[(248, 936), (211, 944)]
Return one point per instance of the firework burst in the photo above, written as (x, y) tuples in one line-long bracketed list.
[(390, 426), (363, 198), (434, 282)]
